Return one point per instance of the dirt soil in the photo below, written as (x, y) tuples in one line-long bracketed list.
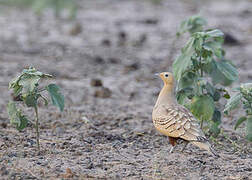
[(107, 132)]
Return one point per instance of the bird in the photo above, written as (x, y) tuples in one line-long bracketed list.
[(176, 121)]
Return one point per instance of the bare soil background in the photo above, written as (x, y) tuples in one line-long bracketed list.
[(107, 132)]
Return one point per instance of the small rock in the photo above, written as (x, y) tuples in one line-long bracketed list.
[(124, 146), (142, 39), (122, 36), (4, 125), (132, 95), (85, 119), (31, 142), (106, 42), (132, 67), (102, 93), (76, 29), (96, 82), (99, 60), (150, 21), (113, 60), (246, 13)]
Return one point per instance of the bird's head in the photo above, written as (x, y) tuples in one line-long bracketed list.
[(167, 78)]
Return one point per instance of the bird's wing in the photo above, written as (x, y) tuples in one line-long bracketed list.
[(177, 121)]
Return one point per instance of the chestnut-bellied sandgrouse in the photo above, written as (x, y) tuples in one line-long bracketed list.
[(174, 120)]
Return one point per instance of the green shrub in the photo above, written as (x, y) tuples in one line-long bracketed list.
[(243, 95), (202, 71), (26, 86)]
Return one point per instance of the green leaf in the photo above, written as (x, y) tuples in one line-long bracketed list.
[(214, 47), (181, 97), (198, 88), (203, 107), (16, 117), (56, 96), (187, 80), (209, 66), (184, 60), (31, 100), (249, 128), (198, 42), (216, 96), (27, 81), (246, 86), (232, 103), (33, 71), (216, 116), (239, 122), (215, 33), (182, 94), (224, 72), (192, 25), (216, 121), (210, 89)]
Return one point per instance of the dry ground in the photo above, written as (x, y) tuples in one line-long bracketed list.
[(123, 43)]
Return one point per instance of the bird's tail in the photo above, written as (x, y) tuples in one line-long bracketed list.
[(206, 146)]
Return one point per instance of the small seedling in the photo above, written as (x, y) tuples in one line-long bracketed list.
[(243, 95), (201, 71), (26, 86)]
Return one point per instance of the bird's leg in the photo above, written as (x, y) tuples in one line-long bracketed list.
[(173, 143), (186, 143)]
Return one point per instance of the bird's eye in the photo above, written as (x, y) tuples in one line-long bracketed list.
[(166, 75)]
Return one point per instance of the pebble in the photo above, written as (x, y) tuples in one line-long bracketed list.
[(103, 93), (96, 82)]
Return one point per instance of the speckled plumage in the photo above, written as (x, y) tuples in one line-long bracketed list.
[(174, 120)]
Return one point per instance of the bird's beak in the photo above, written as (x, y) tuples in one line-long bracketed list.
[(157, 74)]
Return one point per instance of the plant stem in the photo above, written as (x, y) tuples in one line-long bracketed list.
[(200, 60), (201, 75), (37, 126), (201, 123)]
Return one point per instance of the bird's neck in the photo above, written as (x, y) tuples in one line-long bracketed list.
[(166, 95)]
